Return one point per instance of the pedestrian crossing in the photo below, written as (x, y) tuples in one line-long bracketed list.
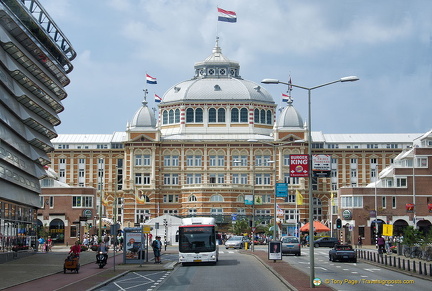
[(227, 252)]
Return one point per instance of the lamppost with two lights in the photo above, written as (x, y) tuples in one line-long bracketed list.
[(311, 230)]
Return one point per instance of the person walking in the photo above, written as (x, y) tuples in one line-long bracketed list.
[(157, 246), (381, 244), (360, 241)]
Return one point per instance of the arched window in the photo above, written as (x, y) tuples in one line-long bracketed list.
[(192, 198), (199, 115), (216, 198), (171, 116), (256, 116), (189, 115), (244, 115), (234, 115), (212, 115), (221, 115), (165, 117), (177, 116), (240, 199), (262, 117), (269, 117)]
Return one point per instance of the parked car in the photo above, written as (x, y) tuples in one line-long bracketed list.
[(326, 242), (343, 253), (291, 245), (235, 242)]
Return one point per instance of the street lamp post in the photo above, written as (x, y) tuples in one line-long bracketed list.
[(100, 201), (311, 231)]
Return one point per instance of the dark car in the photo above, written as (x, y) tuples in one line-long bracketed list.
[(326, 242), (291, 245), (343, 253)]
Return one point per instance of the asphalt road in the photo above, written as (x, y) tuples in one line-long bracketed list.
[(358, 276), (234, 271)]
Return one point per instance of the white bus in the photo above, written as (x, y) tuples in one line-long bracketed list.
[(197, 241)]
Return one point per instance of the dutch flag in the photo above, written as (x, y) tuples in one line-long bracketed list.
[(285, 97), (157, 98), (227, 16), (150, 79)]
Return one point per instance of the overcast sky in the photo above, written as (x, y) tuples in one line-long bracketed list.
[(386, 43)]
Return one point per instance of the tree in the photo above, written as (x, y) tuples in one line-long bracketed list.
[(240, 227), (43, 231), (412, 236)]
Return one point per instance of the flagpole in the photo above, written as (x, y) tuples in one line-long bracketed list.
[(297, 218), (217, 26), (331, 215)]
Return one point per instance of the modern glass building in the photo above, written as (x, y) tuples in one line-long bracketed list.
[(35, 58)]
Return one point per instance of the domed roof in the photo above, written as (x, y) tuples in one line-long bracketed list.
[(290, 118), (217, 78), (143, 119), (217, 89)]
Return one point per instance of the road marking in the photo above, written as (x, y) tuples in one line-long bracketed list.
[(372, 270)]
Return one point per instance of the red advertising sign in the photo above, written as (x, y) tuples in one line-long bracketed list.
[(409, 207), (299, 165)]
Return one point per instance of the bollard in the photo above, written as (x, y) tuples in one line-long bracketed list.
[(430, 269), (420, 268), (399, 265), (414, 267), (385, 260), (425, 269), (403, 264), (409, 265), (374, 257)]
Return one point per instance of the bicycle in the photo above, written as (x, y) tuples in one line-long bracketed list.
[(426, 254), (412, 252)]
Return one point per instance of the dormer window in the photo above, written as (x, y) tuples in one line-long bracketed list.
[(233, 72), (211, 71), (222, 72)]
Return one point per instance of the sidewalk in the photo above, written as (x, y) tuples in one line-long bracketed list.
[(40, 265)]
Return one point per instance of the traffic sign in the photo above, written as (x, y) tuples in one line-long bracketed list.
[(146, 228)]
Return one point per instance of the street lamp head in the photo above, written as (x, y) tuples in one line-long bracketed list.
[(349, 79), (270, 81)]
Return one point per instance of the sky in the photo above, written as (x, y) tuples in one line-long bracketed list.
[(386, 43)]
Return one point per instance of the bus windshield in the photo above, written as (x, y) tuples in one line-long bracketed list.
[(197, 239)]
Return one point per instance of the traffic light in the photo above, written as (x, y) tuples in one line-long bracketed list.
[(338, 223)]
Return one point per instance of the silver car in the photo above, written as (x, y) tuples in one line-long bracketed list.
[(291, 245), (235, 242)]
